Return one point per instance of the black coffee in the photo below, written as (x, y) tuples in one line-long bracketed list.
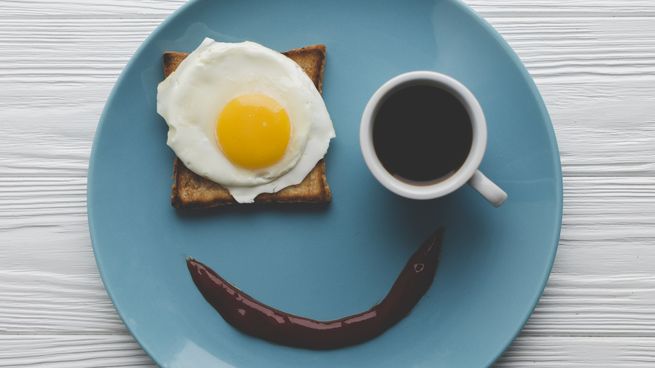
[(422, 133)]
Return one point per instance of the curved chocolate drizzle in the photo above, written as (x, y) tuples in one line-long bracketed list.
[(250, 316)]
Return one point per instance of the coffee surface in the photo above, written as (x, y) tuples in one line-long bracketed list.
[(422, 134)]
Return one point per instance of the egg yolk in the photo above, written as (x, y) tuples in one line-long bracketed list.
[(253, 131)]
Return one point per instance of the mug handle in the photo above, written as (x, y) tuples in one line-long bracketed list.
[(487, 188)]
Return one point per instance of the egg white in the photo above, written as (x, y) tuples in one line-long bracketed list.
[(192, 97)]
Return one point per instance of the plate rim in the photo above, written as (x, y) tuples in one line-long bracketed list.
[(555, 155), (515, 60)]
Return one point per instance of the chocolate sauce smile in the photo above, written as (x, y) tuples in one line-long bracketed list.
[(250, 316)]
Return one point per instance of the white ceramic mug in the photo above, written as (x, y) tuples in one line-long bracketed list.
[(468, 171)]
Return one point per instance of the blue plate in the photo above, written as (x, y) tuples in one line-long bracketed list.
[(329, 262)]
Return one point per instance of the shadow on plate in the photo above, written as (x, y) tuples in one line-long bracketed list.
[(254, 208)]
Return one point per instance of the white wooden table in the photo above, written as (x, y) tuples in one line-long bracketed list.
[(594, 63)]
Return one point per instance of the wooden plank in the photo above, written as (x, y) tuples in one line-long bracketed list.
[(72, 351), (580, 352), (75, 9), (36, 301), (553, 48), (562, 9), (572, 305)]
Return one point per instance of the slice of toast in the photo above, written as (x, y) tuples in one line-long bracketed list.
[(194, 191)]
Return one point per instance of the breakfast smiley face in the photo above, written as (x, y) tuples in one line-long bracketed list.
[(245, 117), (253, 121)]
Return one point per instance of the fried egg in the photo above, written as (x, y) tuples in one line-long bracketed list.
[(244, 116)]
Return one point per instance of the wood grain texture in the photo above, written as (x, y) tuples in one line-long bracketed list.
[(594, 63), (72, 351), (579, 352)]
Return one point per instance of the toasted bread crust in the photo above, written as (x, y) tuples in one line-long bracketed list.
[(193, 191)]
